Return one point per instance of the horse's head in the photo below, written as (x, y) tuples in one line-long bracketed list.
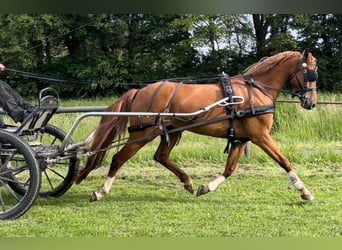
[(304, 78)]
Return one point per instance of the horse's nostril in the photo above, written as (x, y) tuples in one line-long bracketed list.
[(313, 105)]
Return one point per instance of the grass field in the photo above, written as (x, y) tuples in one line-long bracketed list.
[(149, 201)]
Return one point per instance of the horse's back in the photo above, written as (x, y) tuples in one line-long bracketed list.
[(176, 97)]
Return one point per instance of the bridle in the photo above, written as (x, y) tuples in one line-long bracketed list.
[(310, 75)]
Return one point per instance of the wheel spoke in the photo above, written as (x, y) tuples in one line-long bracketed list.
[(56, 173), (48, 179)]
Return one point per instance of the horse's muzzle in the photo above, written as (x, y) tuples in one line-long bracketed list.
[(307, 103)]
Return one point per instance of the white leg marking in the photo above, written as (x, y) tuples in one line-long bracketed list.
[(102, 191), (299, 185), (108, 184), (295, 180), (215, 183)]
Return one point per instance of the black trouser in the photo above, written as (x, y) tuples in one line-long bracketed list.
[(12, 102)]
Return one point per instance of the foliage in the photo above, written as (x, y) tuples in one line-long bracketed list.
[(106, 54)]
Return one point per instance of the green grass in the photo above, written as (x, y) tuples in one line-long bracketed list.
[(147, 201), (256, 201)]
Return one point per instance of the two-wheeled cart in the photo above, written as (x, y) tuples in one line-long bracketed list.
[(25, 173)]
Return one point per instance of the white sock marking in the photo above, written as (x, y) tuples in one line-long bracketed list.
[(215, 183), (108, 184), (295, 180)]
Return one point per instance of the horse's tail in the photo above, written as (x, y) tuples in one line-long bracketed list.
[(109, 128)]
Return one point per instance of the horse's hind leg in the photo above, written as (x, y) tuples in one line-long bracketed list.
[(162, 156), (231, 165), (128, 151)]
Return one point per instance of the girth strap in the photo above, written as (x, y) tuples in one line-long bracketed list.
[(167, 110), (260, 110), (228, 92), (159, 121), (154, 95)]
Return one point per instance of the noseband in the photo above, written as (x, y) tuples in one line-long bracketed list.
[(310, 75)]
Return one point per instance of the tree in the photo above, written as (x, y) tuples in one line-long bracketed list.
[(106, 54), (322, 34), (261, 24), (273, 33)]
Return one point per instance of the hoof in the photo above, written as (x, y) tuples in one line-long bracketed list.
[(307, 197), (97, 195), (93, 197), (189, 188), (203, 189)]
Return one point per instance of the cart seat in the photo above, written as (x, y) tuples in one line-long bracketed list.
[(39, 117)]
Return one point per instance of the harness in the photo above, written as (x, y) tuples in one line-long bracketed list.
[(159, 121), (228, 92), (242, 113), (231, 112)]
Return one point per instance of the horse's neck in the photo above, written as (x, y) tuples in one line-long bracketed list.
[(275, 78)]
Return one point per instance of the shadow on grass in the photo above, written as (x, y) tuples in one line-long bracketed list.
[(305, 203), (235, 194), (167, 195), (83, 199)]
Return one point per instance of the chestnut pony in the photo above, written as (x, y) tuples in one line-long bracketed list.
[(250, 120)]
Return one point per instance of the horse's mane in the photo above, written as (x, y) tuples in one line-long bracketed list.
[(267, 63)]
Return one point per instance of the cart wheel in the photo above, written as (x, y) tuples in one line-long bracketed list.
[(18, 166), (57, 178)]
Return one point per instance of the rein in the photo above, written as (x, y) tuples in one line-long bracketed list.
[(49, 40), (261, 87), (186, 80), (298, 93), (44, 77), (308, 74)]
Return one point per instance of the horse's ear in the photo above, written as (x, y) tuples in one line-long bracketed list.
[(306, 53)]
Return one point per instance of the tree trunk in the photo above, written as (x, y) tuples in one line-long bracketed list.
[(260, 28)]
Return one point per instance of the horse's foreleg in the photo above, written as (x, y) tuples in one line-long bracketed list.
[(299, 185), (231, 165), (267, 144), (162, 156), (103, 190)]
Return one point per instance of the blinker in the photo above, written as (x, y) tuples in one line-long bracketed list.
[(310, 76)]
